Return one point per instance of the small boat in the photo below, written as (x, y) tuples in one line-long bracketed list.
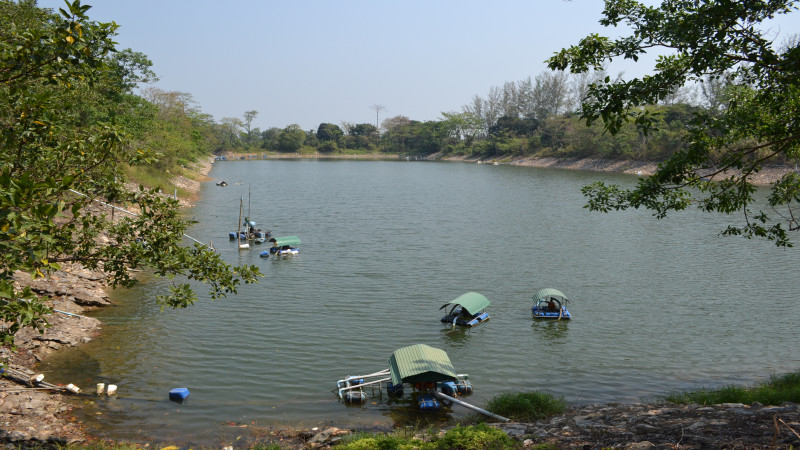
[(284, 246), (549, 303), (467, 310)]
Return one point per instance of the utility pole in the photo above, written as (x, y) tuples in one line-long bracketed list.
[(378, 109)]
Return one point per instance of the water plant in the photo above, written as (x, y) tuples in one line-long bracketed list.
[(527, 406)]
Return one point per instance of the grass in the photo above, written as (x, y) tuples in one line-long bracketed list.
[(480, 436), (776, 390), (527, 406)]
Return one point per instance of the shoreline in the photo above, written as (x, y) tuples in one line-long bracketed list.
[(41, 417), (766, 176)]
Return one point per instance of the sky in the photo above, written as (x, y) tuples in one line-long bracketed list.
[(308, 62)]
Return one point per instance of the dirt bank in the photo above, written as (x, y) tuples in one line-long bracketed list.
[(29, 413), (766, 176)]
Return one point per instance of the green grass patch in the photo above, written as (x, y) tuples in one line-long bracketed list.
[(778, 389), (480, 436), (527, 406)]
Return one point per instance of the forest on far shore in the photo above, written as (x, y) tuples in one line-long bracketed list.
[(531, 117)]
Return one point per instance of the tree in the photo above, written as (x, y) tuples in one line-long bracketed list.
[(230, 127), (364, 134), (269, 138), (248, 122), (465, 126), (398, 131), (131, 68), (717, 39), (291, 138), (329, 132), (549, 96), (55, 166), (514, 126)]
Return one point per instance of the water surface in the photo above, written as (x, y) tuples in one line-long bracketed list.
[(657, 305)]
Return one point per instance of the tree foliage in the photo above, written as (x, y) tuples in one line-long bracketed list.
[(63, 154), (725, 147)]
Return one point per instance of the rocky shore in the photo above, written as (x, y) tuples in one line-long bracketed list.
[(643, 426), (766, 176), (32, 416)]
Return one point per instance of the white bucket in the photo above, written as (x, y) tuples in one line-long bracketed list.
[(100, 388), (112, 389), (37, 378), (74, 389)]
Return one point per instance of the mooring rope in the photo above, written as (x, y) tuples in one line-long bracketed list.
[(136, 215)]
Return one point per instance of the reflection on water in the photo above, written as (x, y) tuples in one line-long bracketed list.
[(385, 244), (551, 332), (457, 336)]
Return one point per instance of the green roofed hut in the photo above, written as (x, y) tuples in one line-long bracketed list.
[(549, 303), (420, 364), (428, 370), (425, 368), (284, 246), (467, 310)]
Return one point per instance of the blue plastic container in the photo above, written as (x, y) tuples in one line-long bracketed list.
[(464, 387), (178, 394), (449, 388), (427, 402)]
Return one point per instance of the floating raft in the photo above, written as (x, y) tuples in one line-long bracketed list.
[(423, 367), (549, 303), (467, 310)]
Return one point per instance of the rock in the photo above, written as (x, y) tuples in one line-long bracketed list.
[(640, 445), (641, 426), (326, 434), (18, 436)]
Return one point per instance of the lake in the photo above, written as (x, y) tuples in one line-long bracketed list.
[(657, 305)]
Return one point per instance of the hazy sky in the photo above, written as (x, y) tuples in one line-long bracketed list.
[(308, 62)]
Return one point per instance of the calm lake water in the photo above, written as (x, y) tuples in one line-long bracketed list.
[(657, 305)]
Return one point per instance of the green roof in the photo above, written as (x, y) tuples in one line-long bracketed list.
[(543, 294), (471, 301), (420, 364), (286, 240)]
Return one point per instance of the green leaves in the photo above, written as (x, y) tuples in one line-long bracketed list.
[(728, 144), (62, 159), (19, 310)]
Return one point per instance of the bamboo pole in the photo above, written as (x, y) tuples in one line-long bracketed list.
[(472, 407)]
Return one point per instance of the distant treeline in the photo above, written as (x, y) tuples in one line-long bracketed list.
[(526, 118)]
